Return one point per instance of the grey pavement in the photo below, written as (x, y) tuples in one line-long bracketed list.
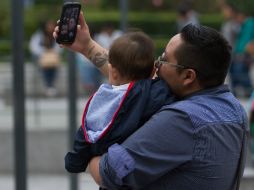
[(85, 182), (49, 182), (41, 113)]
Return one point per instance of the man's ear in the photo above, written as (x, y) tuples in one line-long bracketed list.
[(189, 76), (153, 74)]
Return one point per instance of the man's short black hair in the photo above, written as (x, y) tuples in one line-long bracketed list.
[(207, 52)]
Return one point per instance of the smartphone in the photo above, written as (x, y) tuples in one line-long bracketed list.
[(68, 23)]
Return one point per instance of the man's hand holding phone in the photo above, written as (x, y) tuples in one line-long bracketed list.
[(84, 44), (68, 23), (82, 38)]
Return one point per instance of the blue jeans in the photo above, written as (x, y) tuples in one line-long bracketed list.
[(49, 76), (240, 75)]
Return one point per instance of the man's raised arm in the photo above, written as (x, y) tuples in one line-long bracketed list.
[(85, 45)]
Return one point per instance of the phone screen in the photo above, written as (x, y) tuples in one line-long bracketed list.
[(68, 23)]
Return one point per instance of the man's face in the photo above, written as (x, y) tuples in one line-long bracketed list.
[(169, 72)]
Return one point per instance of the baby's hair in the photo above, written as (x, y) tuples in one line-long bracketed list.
[(133, 55)]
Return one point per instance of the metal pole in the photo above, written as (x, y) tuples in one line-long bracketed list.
[(36, 98), (124, 14), (72, 95), (17, 8)]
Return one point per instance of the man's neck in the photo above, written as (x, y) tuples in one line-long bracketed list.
[(188, 90)]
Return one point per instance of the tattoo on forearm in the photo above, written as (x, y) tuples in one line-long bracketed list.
[(90, 51), (98, 59)]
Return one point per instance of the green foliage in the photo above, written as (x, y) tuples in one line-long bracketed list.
[(148, 5), (203, 6), (135, 5), (244, 6), (34, 16), (160, 25), (109, 4), (5, 47), (48, 2), (5, 17)]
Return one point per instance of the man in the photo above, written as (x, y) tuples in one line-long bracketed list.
[(194, 143)]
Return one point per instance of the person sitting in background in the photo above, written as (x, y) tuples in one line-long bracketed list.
[(45, 53), (119, 108), (107, 35)]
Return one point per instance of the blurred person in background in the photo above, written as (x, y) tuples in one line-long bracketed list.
[(252, 130), (243, 49), (90, 77), (107, 35), (186, 15), (231, 27), (46, 53)]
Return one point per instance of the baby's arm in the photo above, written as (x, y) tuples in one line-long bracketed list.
[(77, 160)]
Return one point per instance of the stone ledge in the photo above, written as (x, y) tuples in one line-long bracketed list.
[(46, 150), (248, 173)]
